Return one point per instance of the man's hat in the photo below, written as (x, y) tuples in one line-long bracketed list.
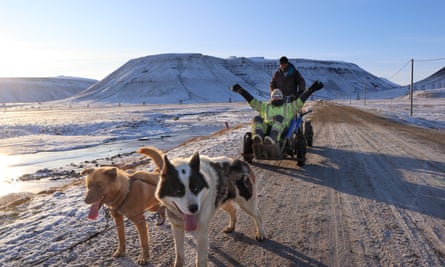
[(284, 60)]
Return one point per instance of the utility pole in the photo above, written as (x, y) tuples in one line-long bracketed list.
[(364, 98), (350, 96), (411, 89)]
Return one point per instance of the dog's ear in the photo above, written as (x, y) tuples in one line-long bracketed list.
[(194, 162), (87, 171), (111, 172), (166, 164)]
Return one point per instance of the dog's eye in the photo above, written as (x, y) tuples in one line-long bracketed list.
[(100, 186), (179, 192), (195, 189)]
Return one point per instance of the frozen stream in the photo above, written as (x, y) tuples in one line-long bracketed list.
[(37, 140), (19, 165)]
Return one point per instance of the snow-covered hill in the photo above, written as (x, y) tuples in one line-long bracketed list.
[(41, 89), (437, 80), (197, 78)]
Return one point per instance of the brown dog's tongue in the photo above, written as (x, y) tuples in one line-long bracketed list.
[(190, 222), (94, 210)]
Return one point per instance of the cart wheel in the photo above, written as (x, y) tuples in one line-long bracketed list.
[(300, 149), (247, 147), (301, 160), (308, 132), (248, 158)]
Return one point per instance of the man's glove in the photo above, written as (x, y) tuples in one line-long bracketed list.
[(317, 85), (236, 88)]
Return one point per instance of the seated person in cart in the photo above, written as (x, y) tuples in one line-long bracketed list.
[(275, 115)]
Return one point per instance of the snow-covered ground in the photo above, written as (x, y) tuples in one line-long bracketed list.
[(427, 109), (48, 142), (52, 137), (25, 90)]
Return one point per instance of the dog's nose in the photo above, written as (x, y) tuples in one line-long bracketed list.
[(193, 208)]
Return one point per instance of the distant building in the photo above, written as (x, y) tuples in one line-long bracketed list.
[(270, 66)]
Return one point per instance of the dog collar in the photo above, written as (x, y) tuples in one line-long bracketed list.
[(119, 205)]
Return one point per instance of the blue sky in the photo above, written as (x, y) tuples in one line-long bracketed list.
[(92, 38)]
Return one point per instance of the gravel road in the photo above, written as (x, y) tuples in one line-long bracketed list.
[(371, 194)]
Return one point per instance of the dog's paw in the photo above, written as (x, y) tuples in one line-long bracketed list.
[(119, 253), (160, 216), (229, 229), (160, 220), (142, 260), (260, 238)]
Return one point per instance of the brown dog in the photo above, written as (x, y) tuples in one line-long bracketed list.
[(125, 194)]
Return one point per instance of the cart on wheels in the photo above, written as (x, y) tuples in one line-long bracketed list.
[(293, 144)]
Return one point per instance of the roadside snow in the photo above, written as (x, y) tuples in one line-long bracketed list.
[(52, 224), (428, 109)]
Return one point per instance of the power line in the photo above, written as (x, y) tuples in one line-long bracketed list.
[(416, 60), (406, 64), (433, 59)]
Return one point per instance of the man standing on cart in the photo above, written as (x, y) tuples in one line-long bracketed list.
[(288, 79)]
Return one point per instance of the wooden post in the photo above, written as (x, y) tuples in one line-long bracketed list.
[(411, 91), (364, 98)]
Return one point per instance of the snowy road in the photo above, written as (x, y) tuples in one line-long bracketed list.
[(372, 193)]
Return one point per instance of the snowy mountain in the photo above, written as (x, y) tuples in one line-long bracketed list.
[(177, 78), (41, 89), (197, 78), (342, 79), (437, 80)]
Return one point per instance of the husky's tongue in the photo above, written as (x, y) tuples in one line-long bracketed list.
[(190, 222), (94, 210)]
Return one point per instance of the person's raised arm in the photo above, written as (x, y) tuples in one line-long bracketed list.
[(238, 89), (317, 85)]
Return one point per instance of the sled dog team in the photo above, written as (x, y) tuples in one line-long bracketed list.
[(189, 190)]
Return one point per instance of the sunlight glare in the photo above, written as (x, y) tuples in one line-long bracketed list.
[(8, 180), (32, 59)]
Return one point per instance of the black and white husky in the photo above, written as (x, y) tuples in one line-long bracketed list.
[(194, 188)]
